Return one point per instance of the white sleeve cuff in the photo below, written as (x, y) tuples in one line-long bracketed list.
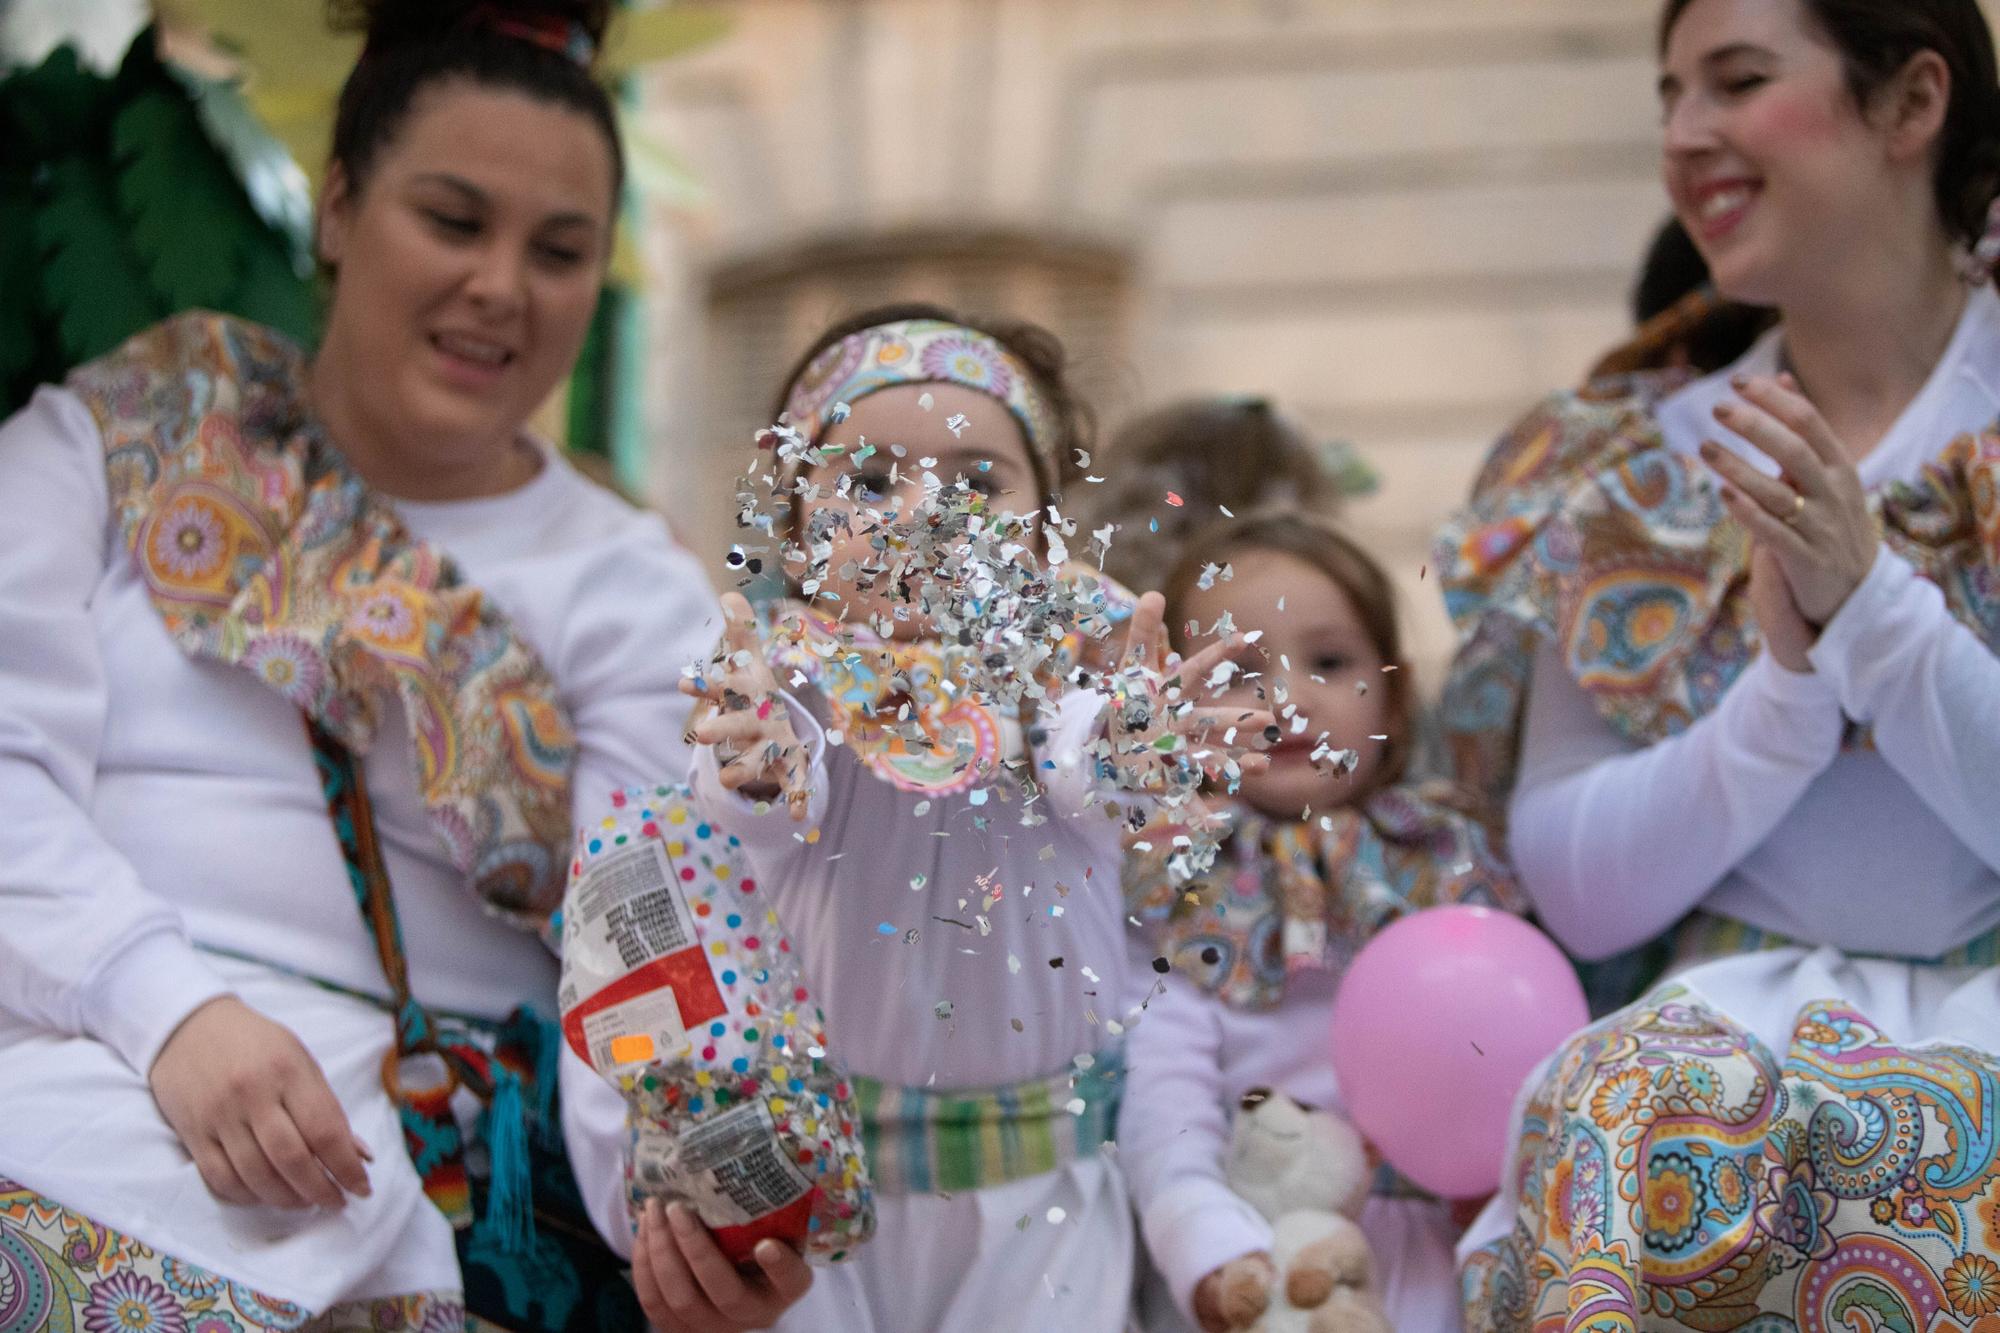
[(1070, 773), (1063, 763), (1866, 633), (761, 823), (143, 992), (1785, 713), (1197, 1226)]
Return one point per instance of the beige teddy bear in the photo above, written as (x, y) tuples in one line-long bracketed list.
[(1307, 1172)]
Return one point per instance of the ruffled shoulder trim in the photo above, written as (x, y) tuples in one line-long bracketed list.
[(1588, 532)]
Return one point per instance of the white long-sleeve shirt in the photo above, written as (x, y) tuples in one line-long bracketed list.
[(150, 803), (1191, 1059), (1755, 812), (911, 862)]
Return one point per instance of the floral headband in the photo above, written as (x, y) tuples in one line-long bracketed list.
[(917, 351)]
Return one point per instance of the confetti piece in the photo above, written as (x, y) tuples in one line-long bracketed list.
[(1175, 500), (1056, 1216)]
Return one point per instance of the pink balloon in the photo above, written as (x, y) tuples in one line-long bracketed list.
[(1438, 1021)]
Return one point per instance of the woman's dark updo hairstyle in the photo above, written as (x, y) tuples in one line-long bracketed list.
[(1876, 38), (1054, 461), (415, 44)]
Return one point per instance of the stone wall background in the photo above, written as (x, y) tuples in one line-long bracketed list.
[(1402, 220)]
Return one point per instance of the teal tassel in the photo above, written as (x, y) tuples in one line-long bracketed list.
[(509, 1224), (548, 1058)]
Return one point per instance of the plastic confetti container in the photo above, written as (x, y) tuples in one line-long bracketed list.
[(679, 986)]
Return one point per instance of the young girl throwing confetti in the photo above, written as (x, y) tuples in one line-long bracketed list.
[(1324, 847), (937, 809)]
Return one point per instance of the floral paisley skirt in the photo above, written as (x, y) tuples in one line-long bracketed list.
[(1787, 1140), (62, 1273)]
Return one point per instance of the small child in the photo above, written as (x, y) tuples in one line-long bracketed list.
[(938, 813), (1326, 845)]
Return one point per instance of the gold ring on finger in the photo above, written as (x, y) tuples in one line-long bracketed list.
[(1798, 507)]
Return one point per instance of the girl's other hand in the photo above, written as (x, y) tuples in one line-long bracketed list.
[(744, 716), (687, 1285)]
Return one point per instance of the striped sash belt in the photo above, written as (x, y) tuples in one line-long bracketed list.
[(923, 1141)]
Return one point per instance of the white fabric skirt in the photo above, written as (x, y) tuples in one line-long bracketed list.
[(80, 1125), (987, 1261)]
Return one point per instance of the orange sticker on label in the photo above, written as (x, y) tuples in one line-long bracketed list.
[(633, 1049)]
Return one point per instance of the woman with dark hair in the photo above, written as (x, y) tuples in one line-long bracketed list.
[(244, 587), (1729, 654)]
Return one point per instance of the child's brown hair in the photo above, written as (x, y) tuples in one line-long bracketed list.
[(1237, 453), (1316, 542)]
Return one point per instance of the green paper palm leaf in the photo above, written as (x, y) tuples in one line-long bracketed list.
[(187, 214), (272, 293), (18, 280), (93, 286)]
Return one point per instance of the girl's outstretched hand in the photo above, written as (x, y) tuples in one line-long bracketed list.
[(744, 717), (1160, 695), (687, 1285)]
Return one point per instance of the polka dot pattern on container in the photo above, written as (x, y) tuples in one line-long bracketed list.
[(680, 987)]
